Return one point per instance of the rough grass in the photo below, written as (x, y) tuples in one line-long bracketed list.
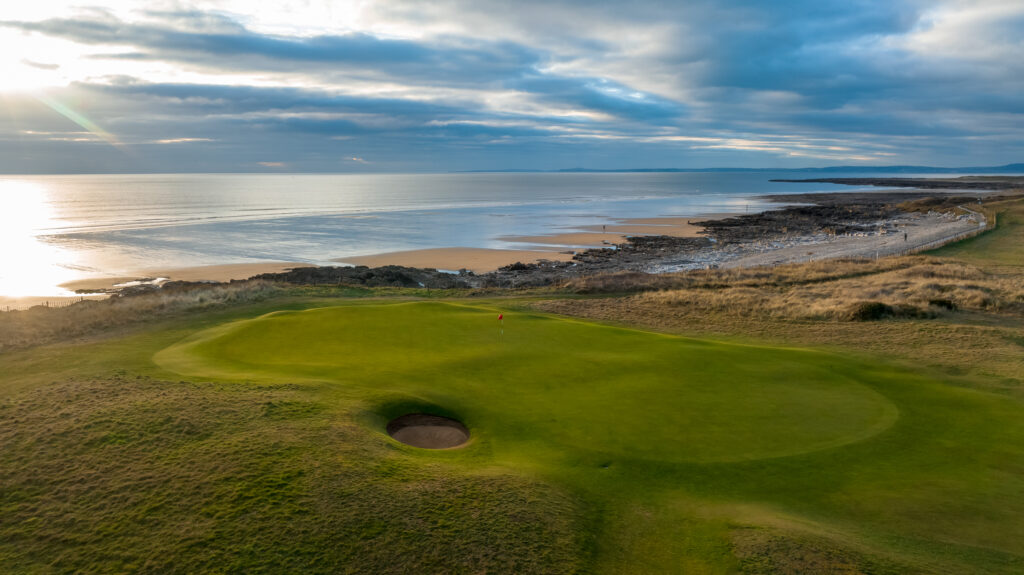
[(139, 475), (39, 324), (779, 276), (919, 285), (20, 329), (823, 289)]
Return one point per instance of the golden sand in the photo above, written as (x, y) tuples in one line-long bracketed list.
[(477, 260)]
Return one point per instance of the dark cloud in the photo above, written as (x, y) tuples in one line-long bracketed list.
[(210, 99), (225, 45)]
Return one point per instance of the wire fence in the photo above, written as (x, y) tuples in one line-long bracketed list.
[(51, 305)]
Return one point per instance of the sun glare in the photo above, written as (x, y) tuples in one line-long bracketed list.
[(23, 77), (29, 63), (29, 266)]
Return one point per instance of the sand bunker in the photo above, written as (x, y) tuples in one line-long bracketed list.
[(428, 431)]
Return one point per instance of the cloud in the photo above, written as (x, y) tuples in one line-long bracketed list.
[(459, 84), (227, 45), (356, 159), (39, 65)]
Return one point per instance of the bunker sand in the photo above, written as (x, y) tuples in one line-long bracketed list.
[(428, 431)]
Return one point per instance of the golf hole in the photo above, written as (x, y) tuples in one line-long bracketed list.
[(428, 431)]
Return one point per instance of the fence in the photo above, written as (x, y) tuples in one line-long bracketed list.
[(52, 305)]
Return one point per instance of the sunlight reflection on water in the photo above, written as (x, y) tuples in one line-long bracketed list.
[(28, 265)]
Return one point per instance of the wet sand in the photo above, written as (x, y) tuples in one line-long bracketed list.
[(477, 260), (600, 236), (571, 240)]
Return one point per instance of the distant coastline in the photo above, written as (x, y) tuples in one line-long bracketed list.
[(989, 183), (1016, 168)]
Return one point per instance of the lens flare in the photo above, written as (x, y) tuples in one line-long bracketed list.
[(79, 119)]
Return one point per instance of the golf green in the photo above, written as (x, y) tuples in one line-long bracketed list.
[(571, 386)]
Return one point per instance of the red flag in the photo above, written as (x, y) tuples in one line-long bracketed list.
[(501, 316)]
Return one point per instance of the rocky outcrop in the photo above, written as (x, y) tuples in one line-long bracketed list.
[(836, 219), (386, 276)]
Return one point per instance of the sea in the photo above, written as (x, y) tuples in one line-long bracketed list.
[(58, 229)]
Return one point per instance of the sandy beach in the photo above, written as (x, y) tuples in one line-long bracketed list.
[(477, 260), (102, 285), (215, 273)]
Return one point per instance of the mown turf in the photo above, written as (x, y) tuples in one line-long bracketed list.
[(533, 378)]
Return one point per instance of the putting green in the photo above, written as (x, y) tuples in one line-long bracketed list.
[(568, 385)]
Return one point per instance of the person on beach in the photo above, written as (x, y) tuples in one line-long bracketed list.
[(904, 236)]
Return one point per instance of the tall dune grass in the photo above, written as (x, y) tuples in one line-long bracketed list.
[(912, 286)]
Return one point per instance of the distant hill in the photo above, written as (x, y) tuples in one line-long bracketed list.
[(1007, 169)]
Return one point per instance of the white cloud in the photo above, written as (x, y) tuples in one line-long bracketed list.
[(182, 140)]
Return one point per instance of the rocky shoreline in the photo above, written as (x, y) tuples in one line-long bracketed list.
[(817, 219), (987, 183)]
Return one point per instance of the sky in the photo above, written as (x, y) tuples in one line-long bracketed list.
[(447, 85)]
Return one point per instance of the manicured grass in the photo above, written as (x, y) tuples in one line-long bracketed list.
[(565, 384)]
